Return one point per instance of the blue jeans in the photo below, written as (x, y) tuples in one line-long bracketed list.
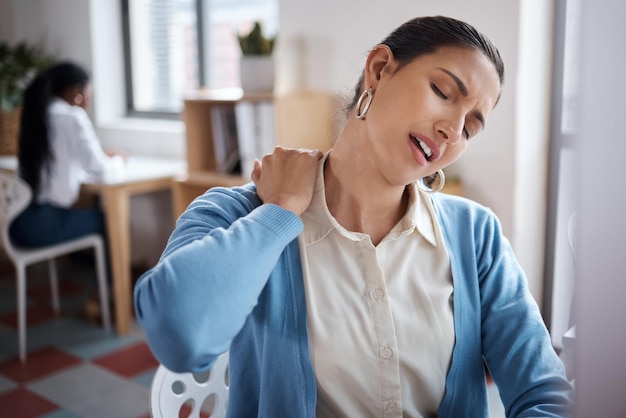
[(45, 224)]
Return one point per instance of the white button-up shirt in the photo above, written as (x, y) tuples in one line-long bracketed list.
[(77, 156), (380, 319)]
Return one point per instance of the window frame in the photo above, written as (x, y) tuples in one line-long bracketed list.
[(128, 77), (559, 140)]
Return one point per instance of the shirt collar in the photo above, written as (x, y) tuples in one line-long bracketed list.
[(318, 221)]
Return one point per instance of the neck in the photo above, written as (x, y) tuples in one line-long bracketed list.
[(357, 195)]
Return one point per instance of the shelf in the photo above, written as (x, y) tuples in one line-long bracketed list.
[(302, 119)]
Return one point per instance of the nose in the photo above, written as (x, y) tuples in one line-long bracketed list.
[(450, 129)]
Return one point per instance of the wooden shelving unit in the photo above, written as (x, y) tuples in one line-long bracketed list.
[(302, 120)]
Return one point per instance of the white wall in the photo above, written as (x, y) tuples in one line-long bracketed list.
[(322, 45), (601, 284), (531, 137), (59, 26), (6, 20)]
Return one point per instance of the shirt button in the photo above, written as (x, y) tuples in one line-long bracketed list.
[(391, 406), (386, 353), (378, 294)]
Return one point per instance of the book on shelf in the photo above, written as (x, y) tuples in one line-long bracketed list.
[(256, 131), (225, 141)]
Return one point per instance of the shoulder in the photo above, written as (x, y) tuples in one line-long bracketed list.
[(447, 205), (60, 107), (460, 216), (61, 111)]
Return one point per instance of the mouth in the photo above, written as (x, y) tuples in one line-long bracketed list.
[(421, 145)]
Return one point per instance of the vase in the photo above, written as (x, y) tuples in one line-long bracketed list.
[(257, 73)]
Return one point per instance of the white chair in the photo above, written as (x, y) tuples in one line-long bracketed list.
[(208, 392), (15, 195)]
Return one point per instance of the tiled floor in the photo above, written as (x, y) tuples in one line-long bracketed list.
[(75, 368)]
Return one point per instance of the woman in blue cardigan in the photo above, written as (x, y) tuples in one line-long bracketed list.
[(341, 285)]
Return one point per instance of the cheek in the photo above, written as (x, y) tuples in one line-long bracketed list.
[(454, 152), (382, 124)]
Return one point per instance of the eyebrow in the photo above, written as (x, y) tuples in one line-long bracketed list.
[(463, 89)]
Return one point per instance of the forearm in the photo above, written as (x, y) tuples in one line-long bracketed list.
[(197, 298), (517, 347)]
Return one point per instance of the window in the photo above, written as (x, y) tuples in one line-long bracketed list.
[(571, 58), (562, 183), (177, 46)]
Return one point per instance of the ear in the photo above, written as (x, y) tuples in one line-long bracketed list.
[(379, 60), (69, 94)]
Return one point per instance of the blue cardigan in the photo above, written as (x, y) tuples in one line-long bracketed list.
[(230, 278)]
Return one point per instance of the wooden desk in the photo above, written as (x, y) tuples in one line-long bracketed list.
[(142, 175)]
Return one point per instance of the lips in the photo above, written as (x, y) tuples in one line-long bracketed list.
[(427, 147)]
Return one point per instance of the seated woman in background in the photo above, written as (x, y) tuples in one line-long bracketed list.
[(58, 150)]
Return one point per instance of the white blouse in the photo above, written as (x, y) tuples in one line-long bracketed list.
[(77, 156), (380, 319)]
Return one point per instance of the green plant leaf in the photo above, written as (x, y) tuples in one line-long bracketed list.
[(18, 65), (255, 43)]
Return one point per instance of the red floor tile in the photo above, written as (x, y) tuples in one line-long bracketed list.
[(185, 411), (38, 364), (34, 315), (129, 361), (23, 403)]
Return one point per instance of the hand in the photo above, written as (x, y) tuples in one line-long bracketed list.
[(286, 177), (119, 152)]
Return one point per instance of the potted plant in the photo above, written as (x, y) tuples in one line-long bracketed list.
[(256, 64), (18, 65)]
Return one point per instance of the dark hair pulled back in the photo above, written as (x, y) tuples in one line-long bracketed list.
[(425, 35), (34, 153)]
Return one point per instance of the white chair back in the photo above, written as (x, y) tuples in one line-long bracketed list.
[(15, 195), (207, 392)]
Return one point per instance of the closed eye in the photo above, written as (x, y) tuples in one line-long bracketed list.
[(437, 91), (441, 94), (470, 129)]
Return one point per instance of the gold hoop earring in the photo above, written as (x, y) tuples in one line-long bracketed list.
[(366, 94), (425, 183)]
